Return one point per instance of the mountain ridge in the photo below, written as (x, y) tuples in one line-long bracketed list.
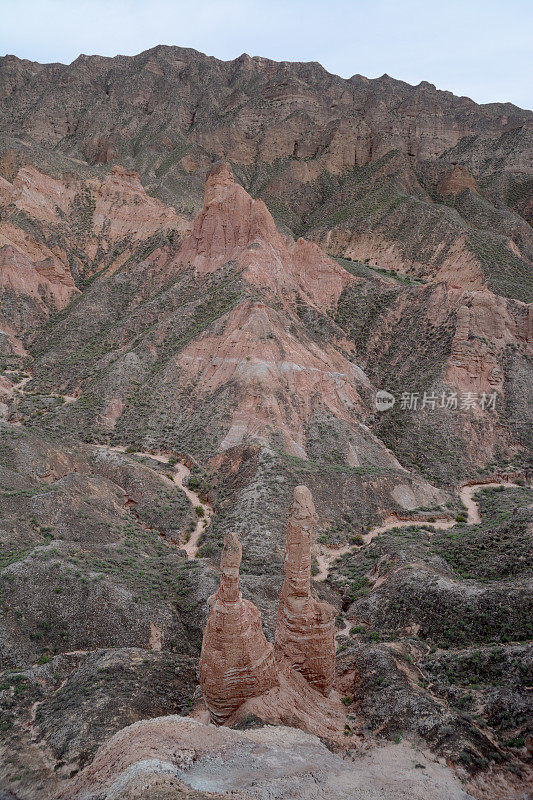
[(348, 163), (243, 57)]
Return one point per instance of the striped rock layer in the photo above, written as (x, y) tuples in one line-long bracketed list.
[(305, 632), (236, 661), (238, 665)]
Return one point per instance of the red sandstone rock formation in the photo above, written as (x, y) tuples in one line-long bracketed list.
[(254, 351), (238, 673), (457, 181), (234, 227), (236, 662), (252, 348), (22, 277), (305, 635), (72, 216), (486, 325)]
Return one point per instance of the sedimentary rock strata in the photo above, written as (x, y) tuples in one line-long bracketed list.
[(31, 281), (237, 664), (233, 226), (305, 635), (236, 661)]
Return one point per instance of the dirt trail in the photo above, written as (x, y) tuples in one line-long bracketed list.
[(345, 631), (467, 493), (181, 472), (394, 522), (325, 558), (328, 555), (19, 387)]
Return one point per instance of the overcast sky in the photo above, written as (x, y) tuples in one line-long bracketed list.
[(478, 48)]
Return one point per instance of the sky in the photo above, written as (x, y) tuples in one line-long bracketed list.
[(479, 48)]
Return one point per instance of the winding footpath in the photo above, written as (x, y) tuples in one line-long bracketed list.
[(468, 491), (181, 472), (328, 555)]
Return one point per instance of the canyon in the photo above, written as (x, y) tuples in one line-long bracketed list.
[(216, 549)]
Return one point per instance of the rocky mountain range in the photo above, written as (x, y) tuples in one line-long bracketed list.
[(220, 281)]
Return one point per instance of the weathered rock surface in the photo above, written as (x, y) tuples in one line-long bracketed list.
[(486, 326), (236, 661), (57, 714), (251, 350), (29, 292), (79, 227), (171, 757), (21, 276), (305, 633), (457, 181), (234, 227), (238, 674)]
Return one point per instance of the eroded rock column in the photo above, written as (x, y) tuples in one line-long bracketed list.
[(305, 632), (236, 662)]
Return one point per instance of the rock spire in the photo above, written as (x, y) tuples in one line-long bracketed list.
[(236, 662), (305, 632), (240, 670)]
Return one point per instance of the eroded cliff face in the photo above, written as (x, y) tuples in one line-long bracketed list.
[(234, 227), (486, 326), (265, 110), (80, 226), (366, 168), (252, 336), (29, 294), (55, 231), (277, 374)]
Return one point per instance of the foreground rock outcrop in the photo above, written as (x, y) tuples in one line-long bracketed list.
[(236, 662), (305, 633), (177, 758)]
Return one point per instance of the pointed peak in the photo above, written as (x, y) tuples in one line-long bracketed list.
[(303, 506), (230, 562), (305, 630), (221, 170), (219, 178), (232, 552)]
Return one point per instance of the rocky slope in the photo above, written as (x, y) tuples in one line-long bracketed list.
[(179, 758), (223, 264)]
